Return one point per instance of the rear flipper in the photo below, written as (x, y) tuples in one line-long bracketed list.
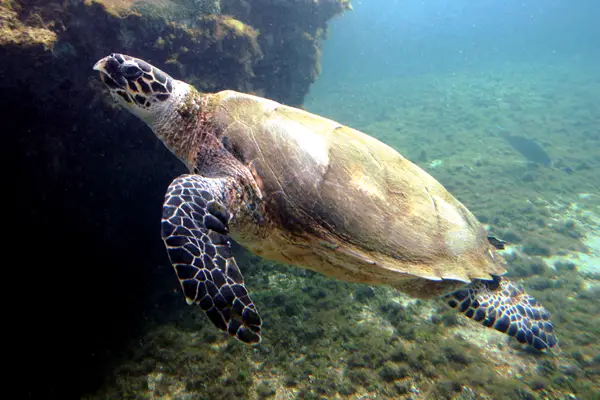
[(503, 306)]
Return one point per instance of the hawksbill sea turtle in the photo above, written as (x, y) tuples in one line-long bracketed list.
[(297, 188)]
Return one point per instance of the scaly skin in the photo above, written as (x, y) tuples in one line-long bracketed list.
[(179, 115)]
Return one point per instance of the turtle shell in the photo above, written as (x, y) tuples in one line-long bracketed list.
[(355, 207)]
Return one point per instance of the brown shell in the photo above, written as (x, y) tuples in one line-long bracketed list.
[(346, 204)]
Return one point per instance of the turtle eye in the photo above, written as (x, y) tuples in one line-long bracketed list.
[(131, 71)]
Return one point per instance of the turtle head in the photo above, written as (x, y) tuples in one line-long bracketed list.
[(154, 97), (139, 87)]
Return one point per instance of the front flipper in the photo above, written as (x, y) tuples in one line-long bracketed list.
[(501, 305), (194, 228)]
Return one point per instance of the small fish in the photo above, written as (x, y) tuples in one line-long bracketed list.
[(530, 149)]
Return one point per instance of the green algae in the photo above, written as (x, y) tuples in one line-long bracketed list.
[(535, 214)]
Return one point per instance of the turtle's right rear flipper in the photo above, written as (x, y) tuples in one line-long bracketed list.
[(501, 305), (194, 229)]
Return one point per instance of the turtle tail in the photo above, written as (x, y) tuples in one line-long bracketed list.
[(501, 305)]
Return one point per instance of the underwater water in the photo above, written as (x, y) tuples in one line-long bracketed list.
[(497, 100)]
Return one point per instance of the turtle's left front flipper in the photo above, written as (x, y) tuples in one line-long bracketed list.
[(502, 305), (194, 228)]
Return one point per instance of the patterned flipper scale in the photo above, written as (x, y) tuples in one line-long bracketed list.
[(502, 305), (194, 229)]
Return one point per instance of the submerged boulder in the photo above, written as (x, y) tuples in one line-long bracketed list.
[(86, 184)]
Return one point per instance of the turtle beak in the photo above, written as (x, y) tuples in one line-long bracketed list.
[(110, 64), (110, 73), (100, 65)]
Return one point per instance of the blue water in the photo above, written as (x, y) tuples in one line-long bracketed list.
[(385, 38)]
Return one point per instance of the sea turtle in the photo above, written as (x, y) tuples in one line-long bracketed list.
[(294, 187)]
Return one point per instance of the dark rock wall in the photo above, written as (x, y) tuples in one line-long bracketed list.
[(291, 40), (86, 180)]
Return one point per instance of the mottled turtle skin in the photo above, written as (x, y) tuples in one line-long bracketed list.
[(294, 187)]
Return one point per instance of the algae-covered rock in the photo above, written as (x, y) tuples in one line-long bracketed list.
[(15, 33), (270, 48), (291, 33), (89, 179)]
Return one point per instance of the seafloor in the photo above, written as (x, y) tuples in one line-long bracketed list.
[(328, 339)]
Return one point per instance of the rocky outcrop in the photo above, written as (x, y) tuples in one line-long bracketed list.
[(86, 180)]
